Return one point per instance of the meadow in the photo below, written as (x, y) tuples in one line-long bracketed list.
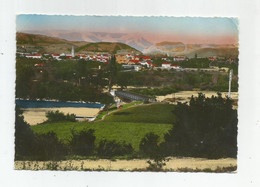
[(128, 125)]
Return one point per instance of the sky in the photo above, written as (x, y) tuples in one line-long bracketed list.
[(155, 29)]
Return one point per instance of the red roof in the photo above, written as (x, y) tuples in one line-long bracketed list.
[(146, 57), (174, 66), (135, 61), (40, 64)]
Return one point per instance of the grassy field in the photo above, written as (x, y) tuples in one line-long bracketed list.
[(120, 131), (129, 125), (154, 113), (114, 108)]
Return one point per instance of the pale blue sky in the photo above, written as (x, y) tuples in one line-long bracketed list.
[(185, 26)]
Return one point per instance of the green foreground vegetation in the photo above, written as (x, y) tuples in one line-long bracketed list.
[(204, 128), (131, 133), (126, 125)]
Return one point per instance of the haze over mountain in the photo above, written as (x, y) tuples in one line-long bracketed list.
[(138, 42), (134, 40), (47, 44)]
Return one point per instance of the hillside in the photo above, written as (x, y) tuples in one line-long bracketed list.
[(46, 44), (105, 47), (189, 50)]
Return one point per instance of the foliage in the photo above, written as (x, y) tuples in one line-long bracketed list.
[(56, 116), (31, 146), (130, 132), (207, 127), (109, 149), (82, 142), (49, 147), (112, 72), (25, 139), (149, 146)]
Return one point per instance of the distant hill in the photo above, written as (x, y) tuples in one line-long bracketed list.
[(135, 40), (189, 50), (35, 39), (106, 47), (45, 44)]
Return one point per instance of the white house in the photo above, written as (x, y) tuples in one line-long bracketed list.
[(56, 56), (143, 63), (34, 56), (175, 67), (177, 59), (166, 65)]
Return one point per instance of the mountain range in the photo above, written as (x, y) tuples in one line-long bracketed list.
[(134, 40)]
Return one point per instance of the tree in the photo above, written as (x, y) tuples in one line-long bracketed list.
[(82, 143), (25, 139), (112, 72), (150, 147), (207, 127)]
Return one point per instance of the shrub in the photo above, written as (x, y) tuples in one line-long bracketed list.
[(49, 147), (109, 149), (149, 145), (82, 143), (207, 127), (59, 116), (25, 140)]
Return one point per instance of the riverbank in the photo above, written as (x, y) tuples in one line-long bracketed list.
[(174, 164)]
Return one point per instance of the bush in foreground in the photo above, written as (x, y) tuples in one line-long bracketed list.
[(207, 127), (82, 143), (109, 149)]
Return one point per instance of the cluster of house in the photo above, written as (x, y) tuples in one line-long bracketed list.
[(98, 58), (175, 59)]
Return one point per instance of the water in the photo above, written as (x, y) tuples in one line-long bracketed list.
[(54, 104)]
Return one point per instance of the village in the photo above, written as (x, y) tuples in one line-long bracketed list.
[(132, 61)]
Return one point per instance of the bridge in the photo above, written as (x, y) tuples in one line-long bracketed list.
[(133, 96)]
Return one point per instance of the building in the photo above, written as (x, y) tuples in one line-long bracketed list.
[(178, 59), (72, 52), (34, 56), (166, 65), (212, 58), (175, 67)]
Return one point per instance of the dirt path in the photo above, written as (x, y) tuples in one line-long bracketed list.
[(174, 164)]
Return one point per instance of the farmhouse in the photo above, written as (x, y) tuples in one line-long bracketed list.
[(34, 56), (178, 59), (175, 67), (166, 65)]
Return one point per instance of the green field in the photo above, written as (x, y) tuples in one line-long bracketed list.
[(129, 125), (154, 113)]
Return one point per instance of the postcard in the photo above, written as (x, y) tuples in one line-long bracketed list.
[(126, 93)]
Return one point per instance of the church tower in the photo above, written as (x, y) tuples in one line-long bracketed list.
[(72, 52)]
